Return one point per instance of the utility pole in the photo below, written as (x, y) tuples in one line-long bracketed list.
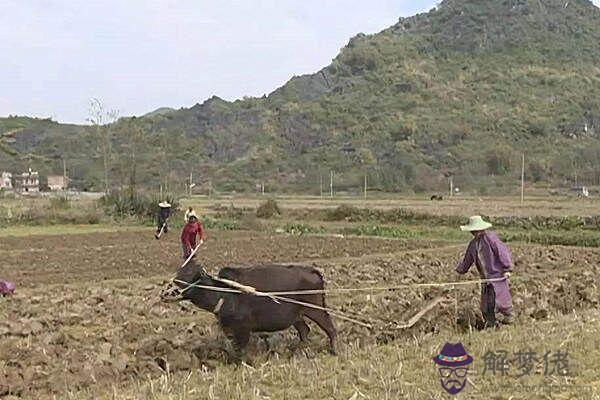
[(321, 186), (65, 174), (365, 186), (523, 179), (331, 184), (451, 179)]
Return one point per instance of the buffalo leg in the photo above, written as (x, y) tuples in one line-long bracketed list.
[(240, 341), (302, 329), (241, 338), (324, 321)]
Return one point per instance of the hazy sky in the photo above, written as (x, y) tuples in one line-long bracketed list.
[(138, 55)]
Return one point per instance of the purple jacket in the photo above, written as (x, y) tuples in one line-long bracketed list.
[(496, 256), (6, 287)]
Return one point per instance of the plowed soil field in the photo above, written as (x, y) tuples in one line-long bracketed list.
[(87, 314)]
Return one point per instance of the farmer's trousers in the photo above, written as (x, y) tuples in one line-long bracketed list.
[(495, 297), (159, 223)]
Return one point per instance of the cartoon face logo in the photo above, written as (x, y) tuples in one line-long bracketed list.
[(453, 363)]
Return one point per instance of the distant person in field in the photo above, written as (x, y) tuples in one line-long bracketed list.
[(164, 212), (191, 229), (7, 288), (493, 260)]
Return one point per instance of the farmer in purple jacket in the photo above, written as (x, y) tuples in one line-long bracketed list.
[(493, 261), (6, 288)]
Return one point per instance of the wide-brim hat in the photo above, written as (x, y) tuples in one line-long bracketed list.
[(476, 223), (164, 204), (192, 214), (453, 355)]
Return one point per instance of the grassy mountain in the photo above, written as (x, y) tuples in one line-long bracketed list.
[(159, 111), (461, 90)]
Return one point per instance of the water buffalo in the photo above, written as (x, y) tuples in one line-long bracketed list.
[(241, 314)]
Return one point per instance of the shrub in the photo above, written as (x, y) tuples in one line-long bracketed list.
[(382, 231), (268, 209), (223, 225), (93, 218), (579, 239), (297, 228), (230, 212), (73, 216), (6, 194), (130, 203), (342, 213), (60, 203), (37, 215), (249, 222)]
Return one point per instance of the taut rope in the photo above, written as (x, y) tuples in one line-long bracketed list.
[(280, 296)]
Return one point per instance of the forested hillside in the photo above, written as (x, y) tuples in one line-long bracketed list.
[(462, 90)]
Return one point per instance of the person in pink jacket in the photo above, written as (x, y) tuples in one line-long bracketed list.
[(188, 236), (493, 261)]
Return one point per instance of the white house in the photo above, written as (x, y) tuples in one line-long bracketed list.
[(57, 182), (28, 182), (6, 181)]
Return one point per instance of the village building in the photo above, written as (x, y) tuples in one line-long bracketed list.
[(27, 182), (6, 181), (57, 182)]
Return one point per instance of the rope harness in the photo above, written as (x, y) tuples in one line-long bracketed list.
[(278, 297)]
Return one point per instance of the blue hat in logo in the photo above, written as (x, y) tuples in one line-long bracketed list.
[(453, 355)]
